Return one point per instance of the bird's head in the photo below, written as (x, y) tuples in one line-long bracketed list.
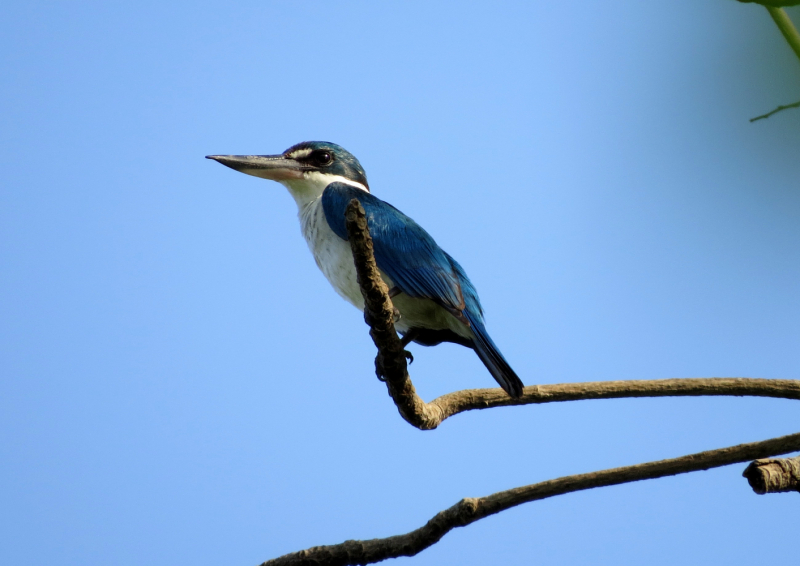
[(306, 168)]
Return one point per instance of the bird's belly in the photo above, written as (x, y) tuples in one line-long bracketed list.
[(424, 313), (335, 259)]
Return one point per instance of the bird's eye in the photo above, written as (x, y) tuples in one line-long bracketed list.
[(323, 157)]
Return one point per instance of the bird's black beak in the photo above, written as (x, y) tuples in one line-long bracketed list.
[(274, 167)]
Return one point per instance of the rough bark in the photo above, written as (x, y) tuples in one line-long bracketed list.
[(392, 368), (774, 475), (469, 510)]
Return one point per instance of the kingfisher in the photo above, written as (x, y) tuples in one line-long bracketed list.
[(433, 297)]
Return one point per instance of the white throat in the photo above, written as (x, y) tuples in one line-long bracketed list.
[(310, 187)]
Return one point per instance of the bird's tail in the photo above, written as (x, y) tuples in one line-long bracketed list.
[(493, 359)]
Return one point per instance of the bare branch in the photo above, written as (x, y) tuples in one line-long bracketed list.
[(470, 399), (778, 109), (392, 368), (470, 510), (774, 475), (391, 364)]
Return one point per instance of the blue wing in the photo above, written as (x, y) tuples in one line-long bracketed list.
[(404, 250), (421, 269)]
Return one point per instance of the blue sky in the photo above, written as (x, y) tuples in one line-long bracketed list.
[(181, 385)]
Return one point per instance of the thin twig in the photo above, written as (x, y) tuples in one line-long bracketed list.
[(392, 368), (774, 475), (470, 510), (778, 109)]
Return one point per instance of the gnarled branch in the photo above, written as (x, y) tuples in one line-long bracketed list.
[(391, 363), (774, 475), (469, 510)]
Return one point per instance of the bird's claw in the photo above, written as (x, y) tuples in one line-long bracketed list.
[(409, 356), (379, 371)]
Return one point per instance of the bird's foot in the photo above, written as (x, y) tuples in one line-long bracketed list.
[(407, 338), (396, 314)]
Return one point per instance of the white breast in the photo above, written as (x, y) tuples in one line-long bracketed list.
[(332, 254)]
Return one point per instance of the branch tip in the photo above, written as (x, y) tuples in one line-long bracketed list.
[(774, 475), (778, 109)]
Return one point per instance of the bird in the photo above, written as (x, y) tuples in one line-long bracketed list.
[(434, 299)]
